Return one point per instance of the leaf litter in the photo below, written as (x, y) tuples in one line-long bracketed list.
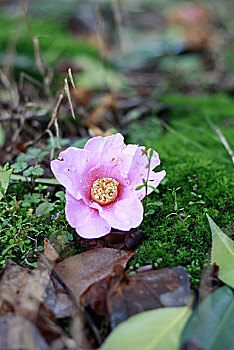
[(50, 294)]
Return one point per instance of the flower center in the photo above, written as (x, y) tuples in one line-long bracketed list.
[(105, 190)]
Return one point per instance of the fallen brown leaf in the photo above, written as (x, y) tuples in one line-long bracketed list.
[(31, 294), (23, 290), (120, 295), (82, 270)]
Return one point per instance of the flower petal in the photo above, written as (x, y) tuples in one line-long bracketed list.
[(71, 168), (123, 214), (87, 221), (155, 179), (138, 170), (103, 144)]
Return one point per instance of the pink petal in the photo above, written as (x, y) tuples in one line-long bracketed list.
[(127, 157), (103, 144), (155, 179), (123, 214), (71, 168), (87, 221), (138, 170), (109, 149)]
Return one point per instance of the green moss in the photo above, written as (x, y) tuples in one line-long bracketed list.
[(197, 162), (55, 41)]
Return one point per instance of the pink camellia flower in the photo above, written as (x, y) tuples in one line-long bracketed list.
[(101, 181)]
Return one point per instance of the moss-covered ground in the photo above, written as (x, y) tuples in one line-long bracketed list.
[(199, 180), (199, 174)]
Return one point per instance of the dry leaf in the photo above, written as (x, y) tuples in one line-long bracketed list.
[(82, 270), (50, 252), (23, 290), (120, 295)]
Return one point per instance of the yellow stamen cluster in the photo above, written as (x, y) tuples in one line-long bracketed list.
[(105, 190)]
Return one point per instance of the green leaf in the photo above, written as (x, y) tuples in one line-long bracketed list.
[(211, 325), (4, 181), (19, 166), (28, 172), (44, 209), (222, 253), (60, 195), (139, 187), (152, 330), (37, 171), (155, 189)]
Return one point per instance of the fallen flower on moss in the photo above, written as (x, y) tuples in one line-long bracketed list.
[(101, 182)]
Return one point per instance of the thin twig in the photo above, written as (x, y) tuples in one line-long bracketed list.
[(57, 132), (52, 143), (66, 88), (23, 76), (55, 111), (72, 81), (20, 128), (224, 141)]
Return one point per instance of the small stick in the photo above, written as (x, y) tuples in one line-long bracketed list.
[(55, 111), (23, 76), (52, 143), (72, 81), (224, 141), (66, 88)]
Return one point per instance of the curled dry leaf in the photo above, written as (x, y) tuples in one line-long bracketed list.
[(82, 270), (119, 295), (50, 252)]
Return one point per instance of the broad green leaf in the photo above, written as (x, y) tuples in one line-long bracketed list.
[(4, 181), (222, 254), (151, 330), (211, 325)]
